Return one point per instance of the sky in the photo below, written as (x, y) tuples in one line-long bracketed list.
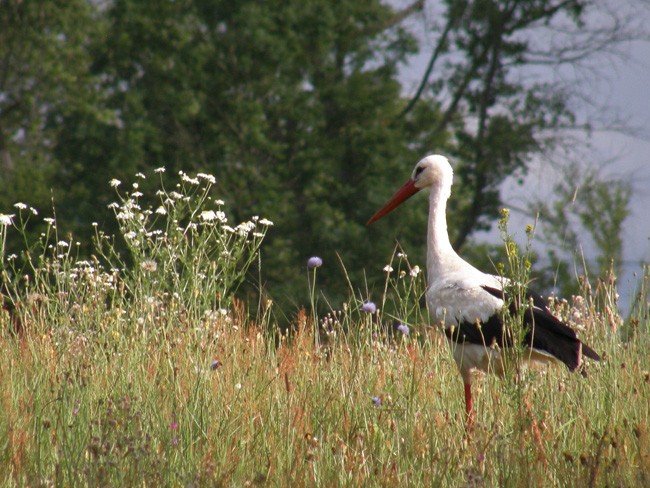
[(618, 87)]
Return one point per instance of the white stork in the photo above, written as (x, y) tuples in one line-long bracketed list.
[(468, 303)]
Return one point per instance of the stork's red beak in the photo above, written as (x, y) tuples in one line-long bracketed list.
[(407, 191)]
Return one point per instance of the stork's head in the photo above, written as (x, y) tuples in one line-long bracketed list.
[(432, 171)]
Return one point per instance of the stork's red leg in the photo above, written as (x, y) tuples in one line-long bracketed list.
[(469, 406)]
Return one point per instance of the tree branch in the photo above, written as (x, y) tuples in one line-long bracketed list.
[(442, 44)]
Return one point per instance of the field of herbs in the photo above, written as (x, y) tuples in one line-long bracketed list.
[(142, 368)]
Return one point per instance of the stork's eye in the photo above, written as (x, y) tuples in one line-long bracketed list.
[(418, 170)]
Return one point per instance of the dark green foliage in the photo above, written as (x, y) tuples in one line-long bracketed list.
[(295, 107), (291, 105)]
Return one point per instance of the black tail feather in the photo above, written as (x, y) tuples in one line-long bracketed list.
[(547, 333)]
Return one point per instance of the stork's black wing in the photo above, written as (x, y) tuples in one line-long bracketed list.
[(544, 331)]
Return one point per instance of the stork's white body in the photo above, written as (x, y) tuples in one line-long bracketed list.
[(455, 294), (460, 296)]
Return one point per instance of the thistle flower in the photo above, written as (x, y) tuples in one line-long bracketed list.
[(369, 307), (314, 262), (404, 329), (376, 401)]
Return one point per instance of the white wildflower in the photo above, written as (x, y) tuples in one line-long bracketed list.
[(141, 176), (244, 228), (415, 270), (266, 222), (62, 244), (48, 220), (136, 185), (191, 181), (6, 219), (20, 206), (130, 235), (388, 268), (149, 265), (136, 194), (209, 178), (115, 183), (113, 205), (219, 202), (125, 215), (33, 210), (159, 170), (208, 215), (175, 195), (161, 210)]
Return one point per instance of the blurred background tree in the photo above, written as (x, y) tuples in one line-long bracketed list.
[(295, 106)]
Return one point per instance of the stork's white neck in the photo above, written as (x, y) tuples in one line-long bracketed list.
[(440, 255)]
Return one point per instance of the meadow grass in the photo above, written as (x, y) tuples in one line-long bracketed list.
[(119, 373)]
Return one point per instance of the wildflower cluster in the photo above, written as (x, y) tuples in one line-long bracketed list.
[(181, 239), (405, 285)]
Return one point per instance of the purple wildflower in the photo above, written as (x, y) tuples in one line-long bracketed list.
[(369, 307), (174, 427), (314, 262), (376, 401), (215, 365), (404, 329)]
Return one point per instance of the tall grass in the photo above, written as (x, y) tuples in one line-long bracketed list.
[(120, 372)]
